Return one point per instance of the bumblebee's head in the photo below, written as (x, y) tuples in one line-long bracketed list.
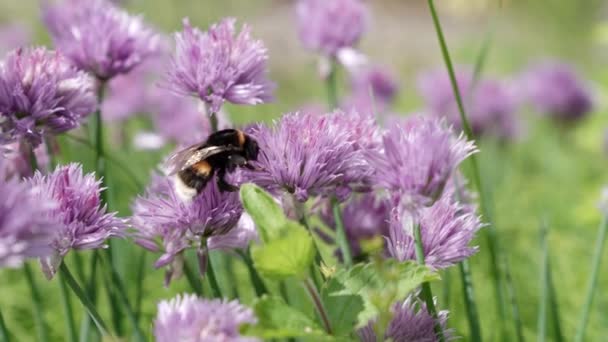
[(251, 148)]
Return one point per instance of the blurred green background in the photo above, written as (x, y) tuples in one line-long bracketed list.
[(548, 173)]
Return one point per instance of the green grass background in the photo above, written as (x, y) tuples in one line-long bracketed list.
[(549, 173)]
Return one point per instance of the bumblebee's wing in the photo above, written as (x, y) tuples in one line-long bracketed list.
[(189, 156)]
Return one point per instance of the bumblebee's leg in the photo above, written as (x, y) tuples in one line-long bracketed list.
[(221, 182)]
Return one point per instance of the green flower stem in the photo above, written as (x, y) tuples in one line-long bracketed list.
[(139, 288), (4, 335), (256, 280), (469, 300), (592, 287), (215, 287), (41, 327), (557, 329), (121, 293), (341, 238), (67, 309), (514, 307), (316, 300), (194, 279), (84, 299), (214, 122), (544, 284), (426, 292), (332, 88), (91, 291), (100, 166), (491, 234)]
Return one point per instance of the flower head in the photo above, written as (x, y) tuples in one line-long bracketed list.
[(446, 229), (327, 26), (99, 37), (189, 318), (212, 220), (220, 65), (373, 90), (309, 155), (556, 90), (41, 93), (412, 323), (420, 154), (26, 226), (489, 104), (85, 224), (364, 217)]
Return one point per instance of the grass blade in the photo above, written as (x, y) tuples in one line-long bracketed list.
[(592, 287), (194, 279), (555, 317), (544, 283), (41, 328), (4, 334), (469, 300), (139, 287), (341, 238), (491, 234), (101, 326), (215, 287), (67, 309), (256, 280)]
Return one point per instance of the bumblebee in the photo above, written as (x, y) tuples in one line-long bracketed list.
[(222, 152)]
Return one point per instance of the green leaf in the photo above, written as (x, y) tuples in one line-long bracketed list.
[(380, 285), (279, 320), (264, 210), (288, 256), (342, 309)]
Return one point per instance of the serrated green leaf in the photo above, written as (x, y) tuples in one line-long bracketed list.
[(381, 285), (276, 319), (288, 256), (342, 309), (264, 210)]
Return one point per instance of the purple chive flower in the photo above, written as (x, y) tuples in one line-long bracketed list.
[(212, 220), (128, 95), (99, 37), (310, 155), (490, 104), (446, 229), (328, 26), (13, 36), (220, 65), (26, 226), (373, 90), (17, 159), (41, 93), (364, 218), (85, 224), (411, 322), (420, 155), (189, 318), (556, 90)]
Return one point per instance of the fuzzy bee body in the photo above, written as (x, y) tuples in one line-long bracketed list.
[(221, 153)]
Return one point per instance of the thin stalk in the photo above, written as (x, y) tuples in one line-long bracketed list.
[(41, 327), (67, 309), (341, 238), (84, 299), (4, 335), (514, 307), (99, 153), (114, 161), (332, 88), (139, 287), (446, 280), (544, 284), (469, 300), (592, 287), (426, 292), (214, 122), (120, 291), (194, 279), (215, 287), (91, 291), (316, 300), (256, 280), (557, 329), (232, 280), (493, 246)]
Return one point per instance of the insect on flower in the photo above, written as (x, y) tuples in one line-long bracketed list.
[(221, 153)]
